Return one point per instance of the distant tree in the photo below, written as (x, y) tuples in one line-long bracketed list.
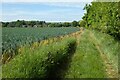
[(32, 23), (74, 24), (66, 24), (82, 23), (52, 25), (18, 23), (11, 24), (5, 24)]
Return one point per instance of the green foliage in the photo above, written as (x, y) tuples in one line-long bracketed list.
[(82, 23), (22, 23), (103, 16), (66, 24), (74, 24), (39, 62)]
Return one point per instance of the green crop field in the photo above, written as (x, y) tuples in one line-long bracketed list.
[(15, 37)]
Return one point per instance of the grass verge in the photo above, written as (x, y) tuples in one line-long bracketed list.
[(110, 49), (39, 62)]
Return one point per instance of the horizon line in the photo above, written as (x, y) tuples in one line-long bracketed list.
[(40, 20)]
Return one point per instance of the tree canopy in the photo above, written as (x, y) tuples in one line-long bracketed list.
[(103, 16)]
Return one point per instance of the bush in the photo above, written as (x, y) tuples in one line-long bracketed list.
[(38, 63)]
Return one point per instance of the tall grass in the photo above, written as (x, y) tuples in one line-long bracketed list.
[(109, 46), (37, 63)]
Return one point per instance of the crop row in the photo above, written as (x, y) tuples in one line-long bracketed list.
[(13, 38)]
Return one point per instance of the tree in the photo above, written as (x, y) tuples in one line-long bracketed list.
[(82, 23), (11, 24), (18, 23), (74, 24), (66, 24), (5, 24), (103, 16)]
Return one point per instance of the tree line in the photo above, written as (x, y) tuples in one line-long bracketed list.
[(23, 23), (103, 16)]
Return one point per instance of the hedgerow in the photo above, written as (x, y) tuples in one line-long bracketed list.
[(103, 16)]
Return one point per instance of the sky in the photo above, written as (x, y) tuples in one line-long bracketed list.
[(47, 0), (42, 11)]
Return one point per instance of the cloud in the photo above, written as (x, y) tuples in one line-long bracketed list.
[(57, 8), (43, 11)]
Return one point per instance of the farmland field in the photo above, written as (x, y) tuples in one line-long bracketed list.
[(75, 56), (60, 40), (15, 37)]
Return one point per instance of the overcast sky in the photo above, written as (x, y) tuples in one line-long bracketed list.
[(43, 11)]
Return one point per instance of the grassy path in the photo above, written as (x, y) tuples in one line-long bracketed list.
[(86, 62), (95, 57), (111, 72), (63, 67)]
